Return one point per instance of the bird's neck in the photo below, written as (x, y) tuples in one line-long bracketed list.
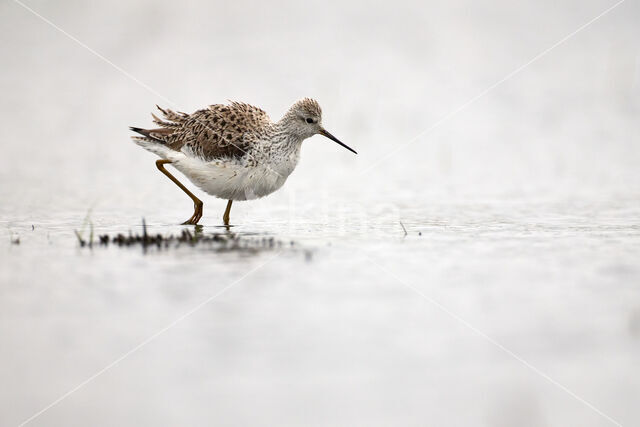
[(281, 150), (285, 135)]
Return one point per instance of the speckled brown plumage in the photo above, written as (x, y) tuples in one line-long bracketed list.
[(219, 131)]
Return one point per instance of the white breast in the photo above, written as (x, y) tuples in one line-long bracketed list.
[(237, 180)]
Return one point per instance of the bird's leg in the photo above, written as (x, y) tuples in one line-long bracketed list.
[(227, 211), (197, 203)]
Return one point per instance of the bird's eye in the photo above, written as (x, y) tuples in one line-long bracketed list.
[(309, 120)]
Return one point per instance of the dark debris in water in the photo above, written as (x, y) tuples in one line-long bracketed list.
[(221, 241), (218, 241)]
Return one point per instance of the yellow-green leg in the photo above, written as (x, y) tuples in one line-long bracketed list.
[(227, 211), (197, 203)]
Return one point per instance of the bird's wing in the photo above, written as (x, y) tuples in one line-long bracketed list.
[(218, 131)]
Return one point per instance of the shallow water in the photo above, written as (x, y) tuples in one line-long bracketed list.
[(512, 298), (365, 327)]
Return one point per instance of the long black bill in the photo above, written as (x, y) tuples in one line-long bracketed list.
[(333, 138)]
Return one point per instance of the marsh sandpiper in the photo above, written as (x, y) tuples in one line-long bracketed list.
[(235, 151)]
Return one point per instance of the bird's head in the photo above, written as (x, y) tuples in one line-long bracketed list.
[(304, 119)]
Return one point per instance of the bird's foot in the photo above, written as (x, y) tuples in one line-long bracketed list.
[(197, 214)]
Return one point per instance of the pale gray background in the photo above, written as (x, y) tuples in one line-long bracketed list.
[(527, 201)]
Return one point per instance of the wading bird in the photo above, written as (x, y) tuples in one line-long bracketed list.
[(235, 151)]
